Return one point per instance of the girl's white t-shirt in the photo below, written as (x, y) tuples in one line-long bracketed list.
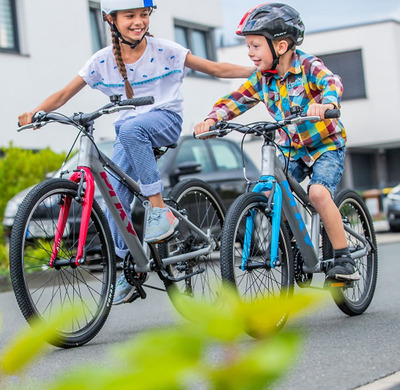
[(159, 72)]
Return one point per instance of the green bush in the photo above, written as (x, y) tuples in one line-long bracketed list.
[(19, 169)]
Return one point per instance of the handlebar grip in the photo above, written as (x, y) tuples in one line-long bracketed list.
[(36, 117), (332, 114), (139, 101)]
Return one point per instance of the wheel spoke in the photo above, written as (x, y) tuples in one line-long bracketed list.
[(43, 291)]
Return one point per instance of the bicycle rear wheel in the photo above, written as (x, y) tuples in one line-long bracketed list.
[(356, 299), (41, 290), (200, 203), (255, 279)]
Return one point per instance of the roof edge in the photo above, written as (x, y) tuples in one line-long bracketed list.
[(353, 26)]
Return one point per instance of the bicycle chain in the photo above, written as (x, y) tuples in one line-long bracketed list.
[(302, 279)]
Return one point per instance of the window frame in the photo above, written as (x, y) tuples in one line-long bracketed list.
[(357, 60), (100, 27), (15, 31), (208, 31)]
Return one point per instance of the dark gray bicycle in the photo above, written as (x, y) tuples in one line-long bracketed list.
[(262, 256), (62, 251)]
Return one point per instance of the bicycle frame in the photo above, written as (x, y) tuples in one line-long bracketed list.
[(91, 171), (281, 187)]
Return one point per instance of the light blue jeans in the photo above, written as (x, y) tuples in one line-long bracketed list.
[(133, 153), (327, 169)]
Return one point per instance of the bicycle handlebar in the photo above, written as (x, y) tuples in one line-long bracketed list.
[(42, 118), (221, 129)]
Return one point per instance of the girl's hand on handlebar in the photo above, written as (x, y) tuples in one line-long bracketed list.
[(25, 118), (319, 109), (203, 127)]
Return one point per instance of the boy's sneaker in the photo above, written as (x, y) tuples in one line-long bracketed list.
[(161, 223), (344, 268), (123, 290)]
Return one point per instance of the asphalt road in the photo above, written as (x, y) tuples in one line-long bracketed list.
[(339, 352)]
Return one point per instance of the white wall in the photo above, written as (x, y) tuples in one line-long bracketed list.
[(56, 42), (371, 120)]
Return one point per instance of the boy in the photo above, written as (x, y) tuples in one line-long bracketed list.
[(287, 77)]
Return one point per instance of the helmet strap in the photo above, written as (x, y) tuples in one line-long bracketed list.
[(123, 40), (275, 57)]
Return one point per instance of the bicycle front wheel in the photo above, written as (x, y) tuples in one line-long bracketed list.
[(356, 299), (246, 265), (201, 204), (42, 290)]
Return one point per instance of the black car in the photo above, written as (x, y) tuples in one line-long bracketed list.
[(216, 161), (393, 209)]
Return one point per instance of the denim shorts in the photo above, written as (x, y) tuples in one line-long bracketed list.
[(327, 170)]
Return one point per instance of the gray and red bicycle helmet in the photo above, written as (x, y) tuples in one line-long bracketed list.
[(273, 20)]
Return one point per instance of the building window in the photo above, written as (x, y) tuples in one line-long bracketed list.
[(8, 26), (199, 39), (349, 66), (362, 164), (393, 161), (98, 27)]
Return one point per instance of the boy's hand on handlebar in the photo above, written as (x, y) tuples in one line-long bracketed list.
[(319, 109), (203, 127)]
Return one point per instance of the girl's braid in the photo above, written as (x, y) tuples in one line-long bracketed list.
[(121, 65)]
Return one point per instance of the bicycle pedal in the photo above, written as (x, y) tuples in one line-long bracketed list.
[(139, 293), (330, 283)]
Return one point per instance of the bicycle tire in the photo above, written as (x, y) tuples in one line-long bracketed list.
[(261, 282), (40, 289), (202, 205), (355, 300)]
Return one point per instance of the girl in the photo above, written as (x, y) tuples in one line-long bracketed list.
[(139, 64)]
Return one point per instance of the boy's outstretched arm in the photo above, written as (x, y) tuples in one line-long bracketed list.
[(218, 69), (236, 103), (55, 100)]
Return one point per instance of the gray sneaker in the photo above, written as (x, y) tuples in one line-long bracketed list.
[(161, 223), (123, 290), (344, 268)]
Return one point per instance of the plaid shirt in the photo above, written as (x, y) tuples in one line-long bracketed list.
[(308, 81)]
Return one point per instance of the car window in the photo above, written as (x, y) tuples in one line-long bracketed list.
[(194, 150), (105, 146), (226, 156)]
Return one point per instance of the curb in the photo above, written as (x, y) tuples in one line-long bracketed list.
[(390, 382)]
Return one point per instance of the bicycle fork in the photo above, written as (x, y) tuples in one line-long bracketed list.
[(82, 176)]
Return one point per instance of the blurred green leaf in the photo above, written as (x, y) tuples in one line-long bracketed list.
[(32, 342), (256, 367), (266, 316), (222, 320), (173, 348), (172, 358)]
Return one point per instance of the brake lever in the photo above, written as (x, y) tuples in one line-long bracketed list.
[(114, 109), (301, 119), (34, 126), (211, 133)]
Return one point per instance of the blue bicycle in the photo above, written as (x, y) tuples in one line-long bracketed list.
[(263, 255)]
